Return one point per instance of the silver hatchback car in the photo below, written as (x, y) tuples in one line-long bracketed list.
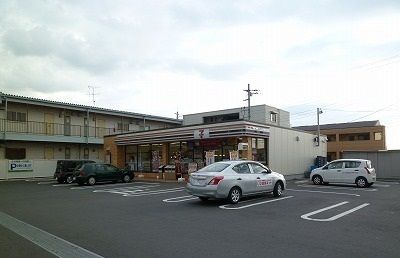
[(232, 180)]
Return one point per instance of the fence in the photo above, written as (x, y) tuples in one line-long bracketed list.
[(43, 128), (41, 168), (386, 163)]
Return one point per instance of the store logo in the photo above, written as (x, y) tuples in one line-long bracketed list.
[(201, 134)]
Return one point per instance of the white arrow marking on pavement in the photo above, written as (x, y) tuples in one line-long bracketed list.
[(309, 191), (181, 199), (254, 204)]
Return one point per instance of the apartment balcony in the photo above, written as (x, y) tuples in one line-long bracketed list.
[(52, 132)]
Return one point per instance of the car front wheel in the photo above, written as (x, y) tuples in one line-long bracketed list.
[(317, 180), (278, 189), (69, 180), (234, 195)]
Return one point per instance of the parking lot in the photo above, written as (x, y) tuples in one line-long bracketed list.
[(39, 218)]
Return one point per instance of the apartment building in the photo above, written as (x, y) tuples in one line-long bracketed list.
[(32, 128), (357, 136)]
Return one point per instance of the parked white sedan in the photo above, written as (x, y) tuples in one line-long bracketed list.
[(233, 179), (351, 171)]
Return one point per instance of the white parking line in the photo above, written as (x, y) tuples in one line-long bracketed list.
[(39, 180), (45, 183), (307, 216), (112, 185), (51, 243), (253, 204), (181, 199), (388, 182), (172, 190), (339, 188), (310, 191), (381, 185), (302, 181)]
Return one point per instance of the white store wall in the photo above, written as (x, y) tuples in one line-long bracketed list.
[(290, 156)]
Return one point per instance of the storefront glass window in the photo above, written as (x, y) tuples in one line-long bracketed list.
[(156, 156), (144, 158), (173, 150), (187, 151), (131, 157), (259, 150)]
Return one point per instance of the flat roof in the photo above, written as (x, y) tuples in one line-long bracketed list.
[(339, 125)]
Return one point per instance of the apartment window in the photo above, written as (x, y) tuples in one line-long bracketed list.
[(331, 137), (16, 116), (221, 118), (144, 128), (273, 117), (86, 153), (67, 153), (354, 137), (378, 136), (15, 153), (122, 127)]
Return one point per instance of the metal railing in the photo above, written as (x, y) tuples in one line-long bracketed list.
[(53, 129)]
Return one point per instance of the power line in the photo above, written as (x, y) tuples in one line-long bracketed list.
[(379, 110)]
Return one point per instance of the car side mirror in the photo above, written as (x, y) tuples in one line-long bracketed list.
[(268, 171), (324, 168)]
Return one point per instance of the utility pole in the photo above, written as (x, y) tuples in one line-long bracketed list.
[(249, 94), (319, 111)]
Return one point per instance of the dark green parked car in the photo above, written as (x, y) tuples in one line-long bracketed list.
[(91, 173)]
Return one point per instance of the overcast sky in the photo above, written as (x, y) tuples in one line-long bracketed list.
[(157, 57)]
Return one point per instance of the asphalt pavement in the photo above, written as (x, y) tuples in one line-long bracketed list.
[(39, 218)]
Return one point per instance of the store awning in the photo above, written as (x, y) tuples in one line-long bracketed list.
[(197, 132)]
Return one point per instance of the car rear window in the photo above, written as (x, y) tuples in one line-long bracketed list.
[(369, 164), (216, 167)]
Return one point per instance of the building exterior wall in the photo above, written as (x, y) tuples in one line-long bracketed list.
[(292, 152), (386, 163), (259, 114), (36, 150), (338, 146)]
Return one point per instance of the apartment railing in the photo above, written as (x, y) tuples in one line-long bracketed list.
[(53, 129)]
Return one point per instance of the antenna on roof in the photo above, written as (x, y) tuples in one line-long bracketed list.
[(177, 115), (92, 94)]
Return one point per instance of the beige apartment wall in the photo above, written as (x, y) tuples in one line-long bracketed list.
[(36, 150)]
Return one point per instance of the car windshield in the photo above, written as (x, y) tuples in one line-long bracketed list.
[(216, 167)]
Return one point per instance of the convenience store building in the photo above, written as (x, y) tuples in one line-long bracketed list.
[(216, 136)]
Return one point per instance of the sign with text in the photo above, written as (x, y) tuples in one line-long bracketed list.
[(20, 165), (210, 157), (234, 155), (201, 134), (192, 167)]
